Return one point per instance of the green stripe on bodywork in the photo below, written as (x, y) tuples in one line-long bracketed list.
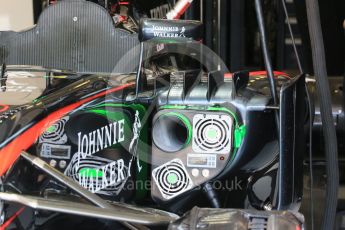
[(90, 173), (138, 107), (239, 134)]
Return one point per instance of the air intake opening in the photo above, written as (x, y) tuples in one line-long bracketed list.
[(171, 132)]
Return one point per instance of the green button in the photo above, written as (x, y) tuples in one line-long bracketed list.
[(172, 178)]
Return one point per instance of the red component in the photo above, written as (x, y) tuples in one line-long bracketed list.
[(3, 108), (122, 18), (9, 221), (183, 9), (123, 3), (113, 7), (261, 73), (10, 153), (228, 75), (222, 158), (264, 73), (180, 7)]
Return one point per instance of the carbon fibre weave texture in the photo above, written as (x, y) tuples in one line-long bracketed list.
[(75, 35)]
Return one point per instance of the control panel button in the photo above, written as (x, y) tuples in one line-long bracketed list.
[(62, 164), (195, 172), (53, 163), (205, 173)]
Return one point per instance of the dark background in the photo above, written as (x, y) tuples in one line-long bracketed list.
[(230, 29), (238, 33)]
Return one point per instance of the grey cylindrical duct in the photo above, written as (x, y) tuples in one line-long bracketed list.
[(330, 138), (171, 132)]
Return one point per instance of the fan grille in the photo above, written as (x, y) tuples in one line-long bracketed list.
[(172, 179), (55, 134), (212, 133)]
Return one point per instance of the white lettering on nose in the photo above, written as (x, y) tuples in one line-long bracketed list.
[(108, 175), (93, 142), (101, 138), (121, 130), (120, 165)]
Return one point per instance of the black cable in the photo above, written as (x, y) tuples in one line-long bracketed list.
[(324, 95), (211, 195), (267, 59)]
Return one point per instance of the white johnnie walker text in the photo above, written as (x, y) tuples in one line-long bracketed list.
[(101, 138), (168, 31), (116, 175)]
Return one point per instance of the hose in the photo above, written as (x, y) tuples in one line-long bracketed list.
[(324, 95), (267, 59), (211, 195)]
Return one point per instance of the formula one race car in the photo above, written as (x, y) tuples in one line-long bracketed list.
[(95, 150)]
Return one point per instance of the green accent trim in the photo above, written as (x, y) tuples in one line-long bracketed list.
[(174, 107), (139, 107), (239, 135), (185, 121), (90, 172)]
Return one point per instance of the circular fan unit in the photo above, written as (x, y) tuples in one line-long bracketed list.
[(56, 133), (172, 179), (212, 133)]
